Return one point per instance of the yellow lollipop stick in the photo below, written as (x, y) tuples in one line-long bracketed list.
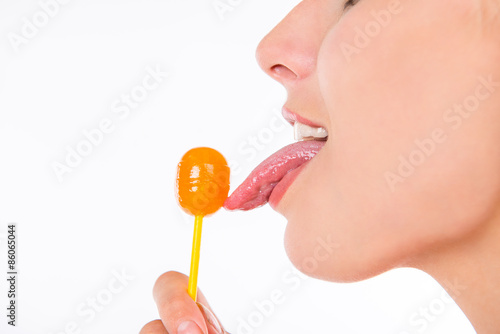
[(195, 257)]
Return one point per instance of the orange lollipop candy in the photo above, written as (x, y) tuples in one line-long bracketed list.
[(202, 181), (202, 186)]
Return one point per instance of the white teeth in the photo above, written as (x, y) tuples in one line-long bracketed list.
[(306, 132)]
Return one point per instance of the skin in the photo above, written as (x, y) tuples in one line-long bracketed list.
[(376, 101)]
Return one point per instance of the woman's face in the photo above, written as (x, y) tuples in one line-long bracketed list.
[(409, 93)]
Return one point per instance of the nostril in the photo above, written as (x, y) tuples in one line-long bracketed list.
[(282, 72)]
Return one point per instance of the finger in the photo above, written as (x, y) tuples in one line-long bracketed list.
[(213, 324), (154, 327), (174, 304)]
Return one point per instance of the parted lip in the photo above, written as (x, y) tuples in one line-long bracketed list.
[(292, 117)]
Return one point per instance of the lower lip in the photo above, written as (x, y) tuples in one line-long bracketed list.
[(282, 186)]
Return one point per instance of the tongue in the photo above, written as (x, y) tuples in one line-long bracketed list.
[(258, 186)]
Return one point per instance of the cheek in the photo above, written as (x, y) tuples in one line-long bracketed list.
[(389, 98), (397, 177)]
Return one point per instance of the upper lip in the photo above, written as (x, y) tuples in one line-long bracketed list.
[(293, 117)]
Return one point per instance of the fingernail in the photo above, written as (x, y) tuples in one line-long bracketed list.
[(188, 327), (213, 324)]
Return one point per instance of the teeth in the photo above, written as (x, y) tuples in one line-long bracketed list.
[(306, 132)]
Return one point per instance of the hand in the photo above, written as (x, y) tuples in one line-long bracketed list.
[(178, 312)]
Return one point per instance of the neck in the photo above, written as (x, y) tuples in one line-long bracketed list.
[(470, 271)]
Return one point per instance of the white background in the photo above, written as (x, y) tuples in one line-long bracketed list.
[(116, 210)]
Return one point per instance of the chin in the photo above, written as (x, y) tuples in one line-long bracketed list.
[(322, 258)]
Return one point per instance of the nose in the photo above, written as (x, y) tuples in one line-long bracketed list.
[(288, 53)]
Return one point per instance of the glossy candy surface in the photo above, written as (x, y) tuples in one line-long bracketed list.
[(202, 181)]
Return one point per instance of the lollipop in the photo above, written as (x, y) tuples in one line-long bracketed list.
[(202, 186)]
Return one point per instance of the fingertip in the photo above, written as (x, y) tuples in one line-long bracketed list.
[(173, 283), (171, 280)]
